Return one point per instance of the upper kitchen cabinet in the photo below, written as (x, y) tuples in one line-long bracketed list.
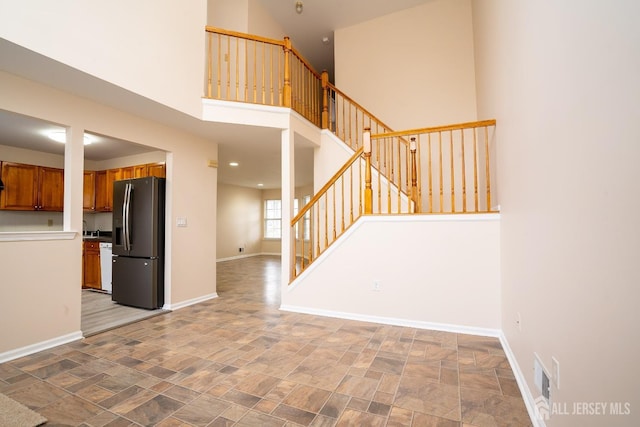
[(156, 169), (149, 169), (89, 191), (30, 187)]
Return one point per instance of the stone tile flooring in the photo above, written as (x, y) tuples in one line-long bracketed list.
[(239, 361)]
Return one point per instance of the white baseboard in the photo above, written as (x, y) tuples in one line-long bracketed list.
[(529, 401), (445, 327), (41, 346), (231, 258), (183, 304)]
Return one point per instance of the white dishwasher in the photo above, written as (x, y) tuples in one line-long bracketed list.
[(105, 265)]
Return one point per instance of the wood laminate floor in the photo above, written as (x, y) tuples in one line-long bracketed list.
[(100, 314), (238, 360)]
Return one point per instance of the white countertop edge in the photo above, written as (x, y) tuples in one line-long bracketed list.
[(21, 236)]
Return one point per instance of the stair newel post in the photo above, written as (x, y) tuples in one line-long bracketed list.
[(368, 192), (325, 100), (286, 90), (414, 175)]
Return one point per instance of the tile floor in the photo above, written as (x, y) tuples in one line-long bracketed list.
[(239, 361)]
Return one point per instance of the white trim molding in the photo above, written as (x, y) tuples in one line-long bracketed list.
[(189, 302), (418, 324), (21, 236), (525, 391), (40, 346)]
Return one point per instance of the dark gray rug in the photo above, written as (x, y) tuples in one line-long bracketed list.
[(14, 414)]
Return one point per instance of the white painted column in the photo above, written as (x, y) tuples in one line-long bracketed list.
[(73, 179), (288, 189), (72, 215)]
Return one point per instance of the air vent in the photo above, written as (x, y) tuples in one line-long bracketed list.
[(541, 378)]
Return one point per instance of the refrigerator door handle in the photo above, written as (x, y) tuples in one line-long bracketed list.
[(126, 215)]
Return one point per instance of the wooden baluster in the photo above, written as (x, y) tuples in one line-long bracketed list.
[(325, 99), (294, 269), (333, 217), (453, 197), (286, 91), (342, 205), (430, 166), (228, 57), (255, 71), (486, 150), (464, 175), (414, 175), (237, 69), (351, 195), (219, 63), (368, 192), (419, 177), (264, 81), (475, 169), (209, 65), (246, 71), (441, 172), (271, 74)]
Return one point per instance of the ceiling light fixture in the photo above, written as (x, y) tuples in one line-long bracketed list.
[(233, 164), (61, 137), (261, 185), (299, 7)]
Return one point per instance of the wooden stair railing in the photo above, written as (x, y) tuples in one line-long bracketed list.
[(387, 178)]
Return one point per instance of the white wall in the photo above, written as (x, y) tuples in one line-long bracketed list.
[(239, 216), (447, 274), (154, 48), (413, 68), (261, 23), (191, 273), (561, 78), (228, 14)]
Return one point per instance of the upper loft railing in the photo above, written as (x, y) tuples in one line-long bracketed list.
[(247, 68), (445, 170)]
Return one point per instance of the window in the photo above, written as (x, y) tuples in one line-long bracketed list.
[(272, 219)]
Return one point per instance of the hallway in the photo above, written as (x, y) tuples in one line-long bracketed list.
[(238, 360)]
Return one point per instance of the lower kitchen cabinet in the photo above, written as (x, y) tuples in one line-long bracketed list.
[(91, 265)]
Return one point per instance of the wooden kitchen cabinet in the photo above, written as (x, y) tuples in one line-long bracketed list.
[(91, 265), (149, 169), (104, 182), (156, 169), (104, 189), (32, 188), (89, 191)]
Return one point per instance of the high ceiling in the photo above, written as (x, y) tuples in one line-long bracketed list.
[(320, 18), (257, 150)]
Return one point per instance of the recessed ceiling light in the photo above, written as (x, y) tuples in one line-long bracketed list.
[(61, 137), (234, 164), (261, 185)]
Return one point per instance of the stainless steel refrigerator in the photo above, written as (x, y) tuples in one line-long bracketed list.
[(138, 242)]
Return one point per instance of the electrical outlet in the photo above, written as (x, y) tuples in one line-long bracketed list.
[(377, 287), (555, 372), (519, 321)]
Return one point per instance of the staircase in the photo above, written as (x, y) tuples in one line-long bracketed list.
[(438, 170)]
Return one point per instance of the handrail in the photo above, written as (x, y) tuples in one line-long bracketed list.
[(451, 163), (246, 36), (328, 185), (459, 126)]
